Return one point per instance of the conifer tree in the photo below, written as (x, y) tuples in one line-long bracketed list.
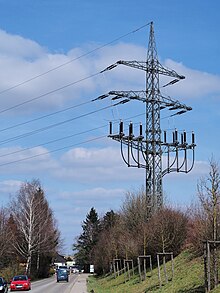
[(87, 240)]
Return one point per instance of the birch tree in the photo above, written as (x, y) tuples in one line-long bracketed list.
[(36, 232)]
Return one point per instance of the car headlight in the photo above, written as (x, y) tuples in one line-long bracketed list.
[(1, 287)]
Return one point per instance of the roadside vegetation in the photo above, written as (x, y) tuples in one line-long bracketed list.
[(132, 232), (29, 237), (188, 278)]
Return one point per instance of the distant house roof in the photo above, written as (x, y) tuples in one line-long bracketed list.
[(59, 259)]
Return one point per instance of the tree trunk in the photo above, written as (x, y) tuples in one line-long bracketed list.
[(28, 265)]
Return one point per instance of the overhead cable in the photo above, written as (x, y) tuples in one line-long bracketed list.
[(44, 116), (62, 138), (74, 59), (52, 141), (52, 125), (52, 151), (48, 93)]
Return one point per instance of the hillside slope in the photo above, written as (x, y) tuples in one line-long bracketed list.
[(188, 278)]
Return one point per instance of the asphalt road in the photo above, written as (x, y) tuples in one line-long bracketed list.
[(50, 285)]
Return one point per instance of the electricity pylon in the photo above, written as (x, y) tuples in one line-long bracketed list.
[(148, 150)]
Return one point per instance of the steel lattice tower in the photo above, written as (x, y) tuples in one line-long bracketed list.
[(153, 131), (146, 151)]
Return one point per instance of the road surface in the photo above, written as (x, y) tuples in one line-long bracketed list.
[(50, 285)]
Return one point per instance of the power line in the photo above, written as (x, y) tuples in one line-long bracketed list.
[(48, 93), (53, 141), (52, 114), (53, 125), (61, 111), (53, 151), (72, 60), (45, 116), (60, 139)]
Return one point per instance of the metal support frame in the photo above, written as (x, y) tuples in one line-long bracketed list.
[(117, 266), (164, 254), (128, 268), (210, 248), (144, 259), (146, 149)]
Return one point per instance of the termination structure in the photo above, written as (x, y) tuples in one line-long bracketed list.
[(147, 149)]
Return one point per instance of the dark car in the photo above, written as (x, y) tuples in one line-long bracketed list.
[(64, 268), (21, 282), (62, 275), (3, 285)]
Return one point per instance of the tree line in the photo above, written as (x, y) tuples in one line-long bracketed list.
[(29, 236), (130, 232)]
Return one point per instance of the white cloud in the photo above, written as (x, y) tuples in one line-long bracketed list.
[(196, 85), (19, 158), (98, 193), (15, 46), (78, 164), (83, 156), (10, 186), (22, 59), (96, 165)]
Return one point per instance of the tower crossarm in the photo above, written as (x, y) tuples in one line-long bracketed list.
[(131, 95), (168, 72), (135, 64), (165, 102), (147, 66), (172, 104)]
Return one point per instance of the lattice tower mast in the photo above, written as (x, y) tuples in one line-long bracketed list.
[(150, 147), (153, 131)]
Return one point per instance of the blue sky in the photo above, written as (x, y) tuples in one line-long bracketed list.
[(37, 36)]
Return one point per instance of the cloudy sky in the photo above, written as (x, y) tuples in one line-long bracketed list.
[(51, 55)]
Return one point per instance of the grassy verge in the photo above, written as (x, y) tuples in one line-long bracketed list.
[(188, 278)]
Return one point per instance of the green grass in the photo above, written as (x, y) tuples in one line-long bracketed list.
[(188, 278)]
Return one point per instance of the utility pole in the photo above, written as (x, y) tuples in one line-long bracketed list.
[(146, 150)]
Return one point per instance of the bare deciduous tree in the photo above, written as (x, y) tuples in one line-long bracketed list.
[(209, 195), (5, 234), (37, 233), (168, 230), (135, 214), (205, 221), (135, 209)]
